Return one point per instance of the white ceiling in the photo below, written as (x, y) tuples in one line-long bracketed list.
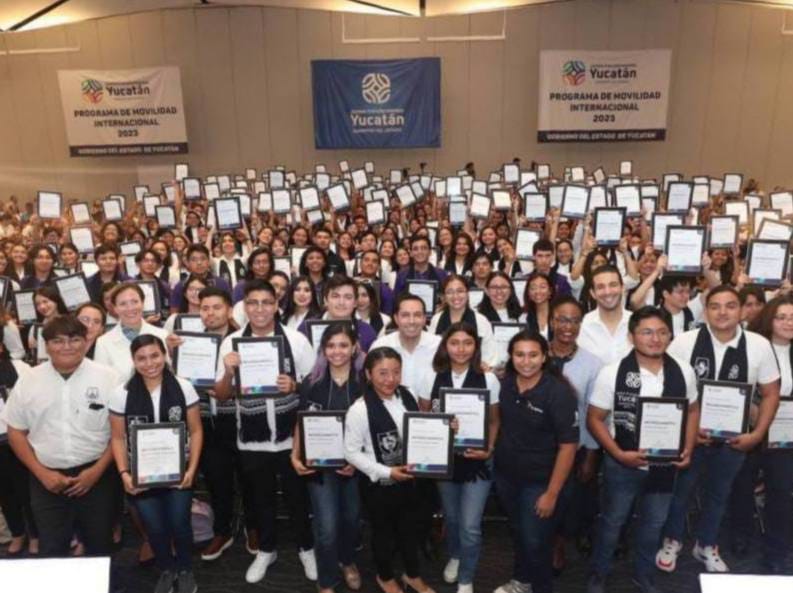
[(14, 12)]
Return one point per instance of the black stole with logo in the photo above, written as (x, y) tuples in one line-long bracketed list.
[(386, 441), (734, 367)]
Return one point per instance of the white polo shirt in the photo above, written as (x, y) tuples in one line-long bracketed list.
[(597, 338), (66, 419), (20, 367), (304, 359), (118, 399), (762, 369), (414, 364)]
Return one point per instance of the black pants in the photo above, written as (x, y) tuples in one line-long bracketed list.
[(220, 462), (395, 514), (15, 494), (577, 512), (58, 516), (261, 472)]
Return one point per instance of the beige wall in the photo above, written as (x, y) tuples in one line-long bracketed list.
[(247, 88)]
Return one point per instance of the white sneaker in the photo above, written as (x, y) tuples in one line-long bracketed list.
[(469, 588), (514, 587), (309, 563), (666, 558), (450, 572), (259, 566), (709, 556)]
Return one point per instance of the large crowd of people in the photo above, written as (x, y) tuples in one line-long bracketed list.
[(565, 332)]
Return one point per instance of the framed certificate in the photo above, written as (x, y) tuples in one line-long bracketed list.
[(458, 212), (359, 179), (780, 433), (5, 289), (192, 188), (315, 217), (140, 191), (782, 201), (766, 262), (599, 175), (454, 186), (535, 207), (543, 171), (723, 232), (166, 216), (775, 230), (322, 439), (762, 214), (316, 329), (50, 205), (504, 330), (73, 290), (724, 408), (375, 213), (470, 407), (151, 296), (130, 248), (405, 194), (575, 201), (626, 168), (502, 199), (337, 195), (296, 254), (475, 296), (608, 225), (511, 173), (739, 208), (282, 201), (524, 243), (189, 322), (428, 445), (555, 195), (661, 220), (283, 264), (112, 210), (88, 268), (83, 239), (228, 213), (661, 427), (650, 190), (261, 361), (480, 206), (275, 179), (700, 194), (684, 247), (180, 171), (577, 173), (426, 290), (678, 196), (157, 454), (628, 197), (309, 198), (150, 204), (732, 183), (80, 213), (598, 197), (196, 358)]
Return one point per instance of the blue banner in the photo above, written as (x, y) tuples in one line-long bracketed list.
[(377, 103)]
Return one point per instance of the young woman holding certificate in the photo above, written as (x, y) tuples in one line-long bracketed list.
[(457, 365), (373, 443), (155, 395), (332, 387), (534, 454)]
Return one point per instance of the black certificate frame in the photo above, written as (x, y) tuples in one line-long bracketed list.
[(663, 454), (319, 464), (686, 270), (215, 338), (485, 393), (747, 393), (609, 243), (134, 429), (767, 282), (258, 390), (420, 471)]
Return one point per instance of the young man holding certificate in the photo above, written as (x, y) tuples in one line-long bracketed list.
[(719, 351), (266, 416), (620, 421), (420, 267)]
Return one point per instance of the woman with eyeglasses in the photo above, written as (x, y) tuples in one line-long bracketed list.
[(457, 364), (191, 304), (499, 303), (149, 262), (43, 262)]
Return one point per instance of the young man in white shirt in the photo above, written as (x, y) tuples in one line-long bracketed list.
[(265, 426), (719, 350), (604, 331), (58, 427), (612, 417)]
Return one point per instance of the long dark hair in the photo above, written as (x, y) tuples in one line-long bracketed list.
[(486, 307), (254, 254), (379, 354), (190, 279), (445, 284), (51, 293), (321, 365), (442, 362), (530, 307), (763, 324), (303, 268), (451, 258), (528, 335), (314, 309)]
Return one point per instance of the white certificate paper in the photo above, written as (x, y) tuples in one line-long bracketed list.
[(25, 306), (524, 243), (73, 291), (337, 195), (159, 456), (723, 409), (427, 446), (767, 262), (780, 433), (260, 364), (480, 206), (535, 206), (227, 211), (323, 440), (661, 427), (684, 249), (608, 226), (83, 239), (469, 407), (574, 202), (426, 292), (81, 214), (723, 231), (196, 359)]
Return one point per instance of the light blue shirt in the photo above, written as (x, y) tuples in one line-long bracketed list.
[(582, 371)]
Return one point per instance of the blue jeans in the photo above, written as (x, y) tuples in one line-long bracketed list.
[(622, 486), (718, 466), (463, 505), (336, 507), (165, 513), (532, 536)]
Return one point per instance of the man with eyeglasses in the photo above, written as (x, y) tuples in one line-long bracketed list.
[(369, 270), (265, 425), (720, 350), (58, 427), (148, 263), (106, 258), (580, 367), (612, 418), (420, 267), (198, 264)]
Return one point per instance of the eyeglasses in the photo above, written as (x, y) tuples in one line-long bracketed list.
[(253, 304), (659, 333), (783, 318), (499, 287), (61, 342), (573, 321)]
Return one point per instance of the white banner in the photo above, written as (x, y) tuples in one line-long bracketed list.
[(123, 112), (603, 96)]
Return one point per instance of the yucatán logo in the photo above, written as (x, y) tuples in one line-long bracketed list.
[(574, 72), (376, 88), (92, 90)]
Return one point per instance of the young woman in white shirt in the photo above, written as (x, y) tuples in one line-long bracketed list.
[(191, 305), (367, 308), (301, 303)]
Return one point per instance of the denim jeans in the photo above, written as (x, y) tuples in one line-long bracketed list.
[(336, 507), (718, 466), (463, 505), (531, 535), (165, 513), (622, 486)]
